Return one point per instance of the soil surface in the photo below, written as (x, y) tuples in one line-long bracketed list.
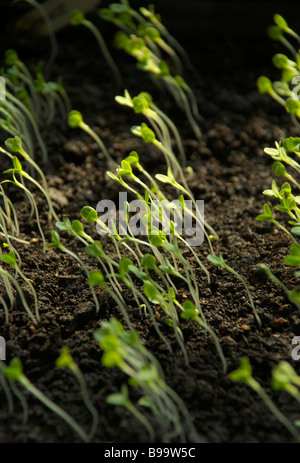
[(230, 171)]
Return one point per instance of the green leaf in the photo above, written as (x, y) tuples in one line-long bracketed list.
[(278, 169), (243, 373), (155, 240), (96, 278), (9, 258), (264, 85), (280, 22), (17, 164), (147, 134), (280, 60), (292, 144), (116, 399), (14, 144), (150, 291), (77, 18), (293, 259), (75, 119), (95, 249), (65, 359), (296, 230), (275, 32), (11, 57), (15, 370), (111, 359), (77, 227), (124, 265), (292, 106), (149, 261), (89, 214), (189, 310), (218, 261)]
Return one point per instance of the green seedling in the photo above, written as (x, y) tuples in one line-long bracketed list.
[(14, 372), (284, 91), (76, 120), (293, 295), (244, 375), (123, 349), (10, 282), (219, 262), (10, 259), (121, 399), (161, 123), (191, 313), (124, 17), (65, 360), (78, 19), (56, 243), (149, 62), (285, 378), (15, 145), (18, 170), (17, 103), (267, 216), (155, 19), (43, 12), (18, 72), (8, 387), (54, 95)]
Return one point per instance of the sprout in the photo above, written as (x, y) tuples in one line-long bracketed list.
[(76, 120), (14, 372), (244, 375), (78, 19), (65, 360)]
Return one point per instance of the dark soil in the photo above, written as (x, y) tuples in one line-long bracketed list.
[(230, 172)]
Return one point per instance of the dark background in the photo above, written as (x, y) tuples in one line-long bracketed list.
[(230, 30)]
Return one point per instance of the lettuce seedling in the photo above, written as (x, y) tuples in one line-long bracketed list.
[(124, 350), (18, 170), (191, 313), (78, 19), (10, 282), (76, 120), (43, 12), (65, 360), (244, 375), (219, 262), (149, 62), (56, 243), (14, 372), (284, 91), (10, 259), (15, 145), (122, 399)]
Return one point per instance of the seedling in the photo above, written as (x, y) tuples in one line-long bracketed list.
[(284, 91), (10, 282), (143, 104), (15, 145), (14, 372), (18, 170), (76, 120), (149, 62), (191, 313), (10, 259), (219, 262), (124, 350), (43, 12), (56, 243), (77, 19), (65, 360), (244, 375)]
